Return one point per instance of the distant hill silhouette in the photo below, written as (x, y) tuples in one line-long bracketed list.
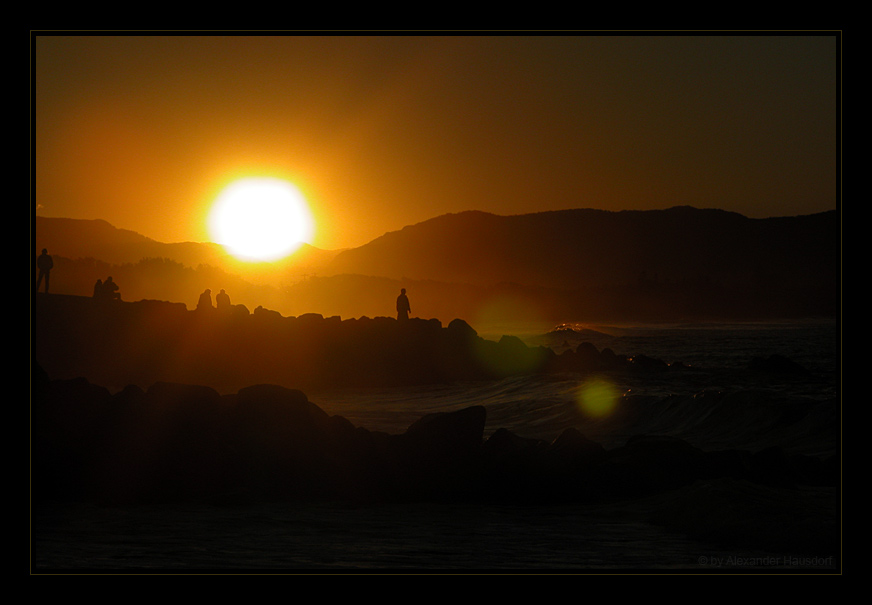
[(572, 265), (581, 248), (77, 238), (97, 239)]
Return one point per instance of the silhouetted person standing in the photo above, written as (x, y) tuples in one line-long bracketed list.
[(45, 264), (222, 300), (403, 307), (205, 301), (98, 289)]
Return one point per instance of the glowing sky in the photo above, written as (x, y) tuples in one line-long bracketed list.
[(384, 131)]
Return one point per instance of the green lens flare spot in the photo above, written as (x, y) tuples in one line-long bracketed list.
[(598, 398)]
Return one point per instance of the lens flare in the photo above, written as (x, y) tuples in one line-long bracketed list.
[(509, 313), (597, 397)]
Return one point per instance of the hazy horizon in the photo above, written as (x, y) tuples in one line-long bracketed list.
[(468, 211), (545, 267)]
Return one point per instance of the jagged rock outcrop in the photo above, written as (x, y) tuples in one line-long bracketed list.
[(118, 343), (178, 442)]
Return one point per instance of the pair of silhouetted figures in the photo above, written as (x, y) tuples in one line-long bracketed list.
[(222, 299), (106, 290)]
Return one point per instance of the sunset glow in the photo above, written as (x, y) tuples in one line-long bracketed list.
[(260, 219), (390, 131), (448, 302)]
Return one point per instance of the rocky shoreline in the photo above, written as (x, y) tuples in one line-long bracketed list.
[(180, 440), (144, 342), (267, 442), (225, 445)]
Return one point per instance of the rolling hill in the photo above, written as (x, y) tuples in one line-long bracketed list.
[(586, 248), (677, 263)]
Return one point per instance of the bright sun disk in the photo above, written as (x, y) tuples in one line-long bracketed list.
[(260, 219)]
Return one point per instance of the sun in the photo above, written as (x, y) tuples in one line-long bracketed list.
[(260, 219)]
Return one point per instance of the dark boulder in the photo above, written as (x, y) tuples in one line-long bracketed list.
[(648, 364), (777, 364), (460, 331), (516, 469), (439, 455), (609, 360), (277, 421), (573, 446), (505, 446), (773, 466), (274, 404), (588, 356), (651, 463), (457, 433), (184, 399), (280, 444)]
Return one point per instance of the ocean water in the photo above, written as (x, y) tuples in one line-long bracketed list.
[(296, 538), (706, 403), (713, 402)]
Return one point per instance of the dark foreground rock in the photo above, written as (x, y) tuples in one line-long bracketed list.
[(177, 442)]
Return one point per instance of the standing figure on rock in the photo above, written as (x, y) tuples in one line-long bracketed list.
[(403, 307), (44, 263)]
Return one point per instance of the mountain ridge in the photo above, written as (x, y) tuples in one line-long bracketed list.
[(592, 246), (99, 239), (678, 262)]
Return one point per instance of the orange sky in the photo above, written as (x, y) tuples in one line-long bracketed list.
[(381, 132)]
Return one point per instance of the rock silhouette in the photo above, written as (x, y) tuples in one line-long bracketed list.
[(253, 435), (142, 343), (177, 442)]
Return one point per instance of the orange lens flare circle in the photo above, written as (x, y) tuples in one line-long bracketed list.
[(260, 219)]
